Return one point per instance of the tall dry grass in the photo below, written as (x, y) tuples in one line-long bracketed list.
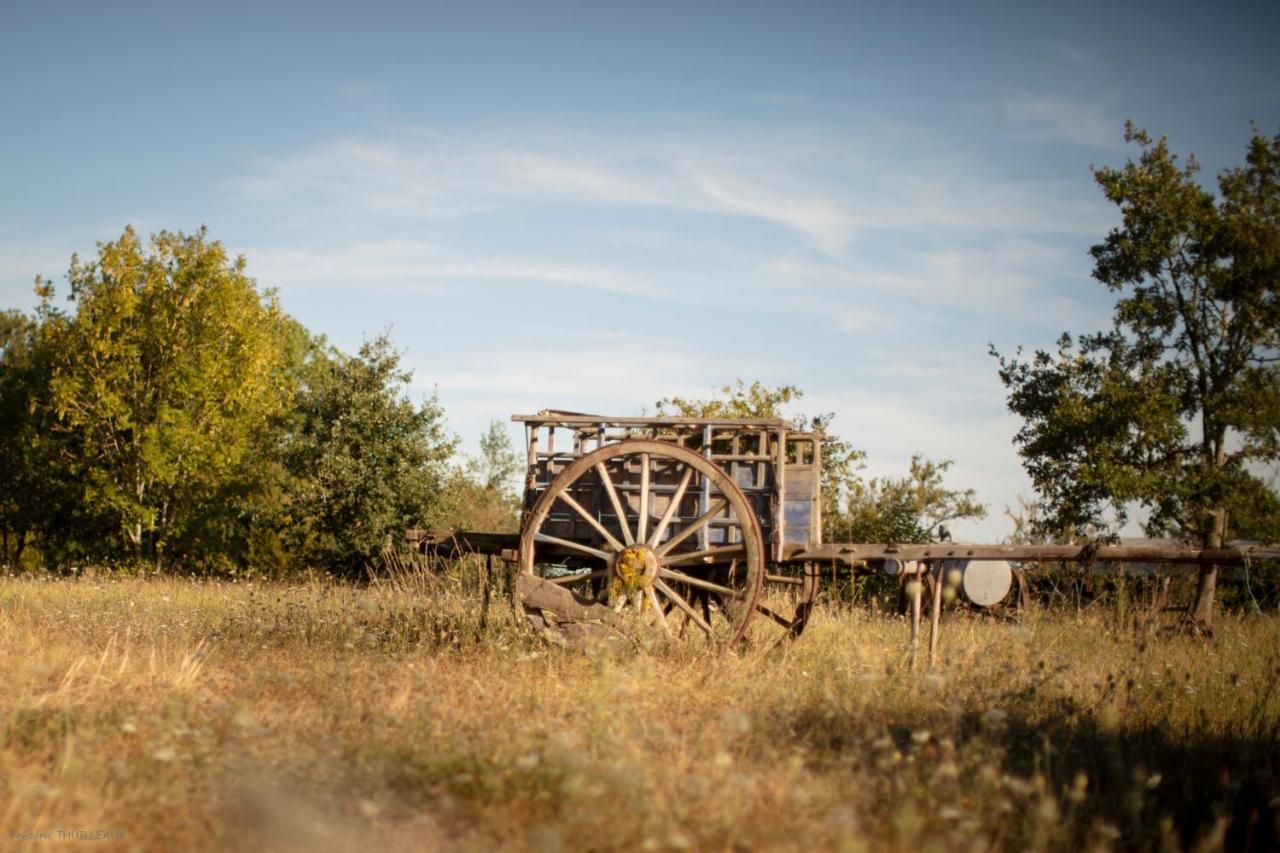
[(194, 715)]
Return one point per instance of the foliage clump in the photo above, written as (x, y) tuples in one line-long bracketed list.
[(364, 459), (1176, 407), (175, 417)]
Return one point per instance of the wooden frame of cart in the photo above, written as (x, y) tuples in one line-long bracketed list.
[(679, 523)]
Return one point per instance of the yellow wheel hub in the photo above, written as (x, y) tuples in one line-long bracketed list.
[(634, 569)]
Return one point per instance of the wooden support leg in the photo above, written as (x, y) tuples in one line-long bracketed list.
[(1024, 592), (486, 587), (935, 622), (915, 589)]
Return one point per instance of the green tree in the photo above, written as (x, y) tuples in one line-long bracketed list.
[(16, 330), (159, 380), (481, 494), (247, 523), (1176, 406), (738, 400), (29, 475), (903, 509), (498, 463), (15, 336), (366, 462)]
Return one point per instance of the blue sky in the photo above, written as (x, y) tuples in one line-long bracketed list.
[(596, 205)]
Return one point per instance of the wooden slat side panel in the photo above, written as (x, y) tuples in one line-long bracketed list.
[(749, 450), (802, 499)]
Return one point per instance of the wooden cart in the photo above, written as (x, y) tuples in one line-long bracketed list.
[(705, 526), (681, 523)]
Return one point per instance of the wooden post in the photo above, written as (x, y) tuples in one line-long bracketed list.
[(915, 591), (935, 623), (485, 591), (531, 475)]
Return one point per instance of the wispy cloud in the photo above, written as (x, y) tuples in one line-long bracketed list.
[(1076, 55), (531, 174), (817, 186), (1006, 281), (1061, 119), (820, 219), (431, 175), (422, 267)]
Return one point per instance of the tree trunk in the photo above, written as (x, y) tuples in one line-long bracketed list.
[(20, 545), (1202, 608)]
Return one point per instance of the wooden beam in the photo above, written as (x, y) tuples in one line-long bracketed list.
[(859, 552), (574, 420)]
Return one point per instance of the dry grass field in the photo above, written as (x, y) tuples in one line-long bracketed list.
[(175, 715)]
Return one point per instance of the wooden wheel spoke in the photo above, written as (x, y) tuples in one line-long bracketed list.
[(571, 545), (581, 576), (679, 602), (592, 520), (657, 610), (710, 586), (699, 556), (671, 508), (642, 523), (617, 503), (781, 620), (693, 527)]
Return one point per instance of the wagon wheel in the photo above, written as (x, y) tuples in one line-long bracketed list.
[(642, 541)]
